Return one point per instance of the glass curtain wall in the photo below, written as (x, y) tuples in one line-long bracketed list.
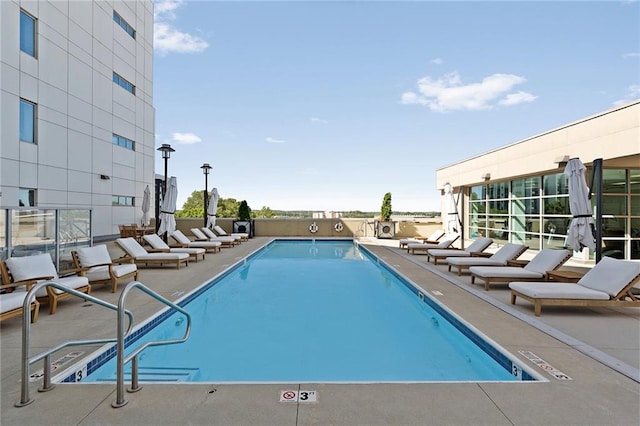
[(535, 211)]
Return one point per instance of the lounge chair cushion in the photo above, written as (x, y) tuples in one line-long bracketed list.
[(135, 250), (208, 233), (600, 276), (445, 242), (29, 267), (41, 265), (476, 247), (132, 247), (547, 260), (551, 290), (508, 251), (514, 272), (222, 232), (156, 242), (183, 239), (201, 236), (11, 301), (96, 255), (473, 261), (99, 255)]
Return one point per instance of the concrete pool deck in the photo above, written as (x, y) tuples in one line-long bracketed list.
[(597, 394)]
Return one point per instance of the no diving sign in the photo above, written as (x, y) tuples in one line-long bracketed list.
[(298, 396)]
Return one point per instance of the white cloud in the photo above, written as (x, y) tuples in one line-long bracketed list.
[(318, 120), (631, 55), (437, 61), (633, 92), (167, 38), (517, 98), (185, 138), (272, 140), (448, 93)]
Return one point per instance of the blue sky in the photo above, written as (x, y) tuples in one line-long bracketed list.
[(329, 105)]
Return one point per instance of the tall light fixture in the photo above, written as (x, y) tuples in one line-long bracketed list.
[(166, 154), (206, 168)]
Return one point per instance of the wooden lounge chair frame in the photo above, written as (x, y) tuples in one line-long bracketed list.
[(193, 252), (231, 242), (52, 297), (425, 240), (624, 298), (441, 257), (428, 246), (113, 279), (461, 268), (147, 262), (34, 307), (489, 280)]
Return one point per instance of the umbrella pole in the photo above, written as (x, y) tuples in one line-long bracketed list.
[(596, 182)]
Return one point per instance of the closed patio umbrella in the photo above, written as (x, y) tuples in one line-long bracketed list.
[(146, 206), (581, 229), (213, 208), (167, 220), (452, 219)]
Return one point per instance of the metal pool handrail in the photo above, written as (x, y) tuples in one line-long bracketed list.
[(133, 356), (26, 334)]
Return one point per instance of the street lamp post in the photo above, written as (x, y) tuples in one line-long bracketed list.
[(166, 153), (206, 168)]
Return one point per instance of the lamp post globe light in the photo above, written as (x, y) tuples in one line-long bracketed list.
[(166, 154), (206, 168)]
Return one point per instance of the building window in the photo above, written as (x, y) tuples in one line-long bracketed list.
[(27, 121), (26, 197), (124, 24), (123, 142), (27, 33), (121, 200), (124, 83)]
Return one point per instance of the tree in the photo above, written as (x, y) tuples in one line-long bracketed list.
[(264, 212), (244, 211), (385, 209), (194, 206)]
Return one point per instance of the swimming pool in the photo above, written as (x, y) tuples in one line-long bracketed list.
[(313, 311)]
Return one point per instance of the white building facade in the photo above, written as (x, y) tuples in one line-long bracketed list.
[(77, 121), (519, 193)]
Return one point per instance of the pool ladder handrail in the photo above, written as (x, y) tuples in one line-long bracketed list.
[(133, 356), (26, 361), (122, 333)]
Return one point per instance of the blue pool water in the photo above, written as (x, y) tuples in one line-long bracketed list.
[(315, 311)]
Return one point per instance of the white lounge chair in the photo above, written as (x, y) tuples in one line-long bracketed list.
[(505, 253), (443, 243), (96, 264), (478, 246), (431, 239), (184, 241), (607, 284), (12, 302), (546, 260), (141, 256), (226, 241), (212, 235), (222, 233), (30, 270), (159, 246)]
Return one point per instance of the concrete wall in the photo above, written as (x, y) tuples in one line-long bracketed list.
[(326, 227)]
